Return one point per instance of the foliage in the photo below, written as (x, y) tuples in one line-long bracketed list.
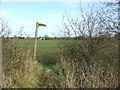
[(91, 62), (81, 70), (19, 70)]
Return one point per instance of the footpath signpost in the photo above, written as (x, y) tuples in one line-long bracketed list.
[(35, 44)]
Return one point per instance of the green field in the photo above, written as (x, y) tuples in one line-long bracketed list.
[(47, 50)]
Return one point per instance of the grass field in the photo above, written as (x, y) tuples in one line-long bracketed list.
[(43, 46), (47, 50)]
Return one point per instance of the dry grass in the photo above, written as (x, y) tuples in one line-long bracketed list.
[(82, 76), (21, 74), (19, 70)]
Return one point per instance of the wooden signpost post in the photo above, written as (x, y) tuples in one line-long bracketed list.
[(35, 44)]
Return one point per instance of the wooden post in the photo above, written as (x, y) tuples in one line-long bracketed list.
[(35, 43)]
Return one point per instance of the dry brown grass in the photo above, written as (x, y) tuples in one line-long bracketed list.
[(77, 75), (19, 70), (21, 74)]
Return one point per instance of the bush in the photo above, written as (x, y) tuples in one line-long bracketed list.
[(19, 70), (12, 51), (81, 69)]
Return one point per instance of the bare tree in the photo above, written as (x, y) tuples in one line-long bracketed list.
[(93, 23), (5, 29)]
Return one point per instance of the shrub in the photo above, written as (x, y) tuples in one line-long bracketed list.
[(19, 70), (81, 69)]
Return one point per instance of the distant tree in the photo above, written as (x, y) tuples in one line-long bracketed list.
[(46, 37)]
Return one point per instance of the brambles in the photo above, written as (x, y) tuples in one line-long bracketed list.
[(80, 70)]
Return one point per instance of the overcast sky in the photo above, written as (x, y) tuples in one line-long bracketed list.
[(26, 14)]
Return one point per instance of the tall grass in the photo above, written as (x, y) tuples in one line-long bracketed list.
[(74, 75), (19, 70), (21, 74), (79, 69)]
